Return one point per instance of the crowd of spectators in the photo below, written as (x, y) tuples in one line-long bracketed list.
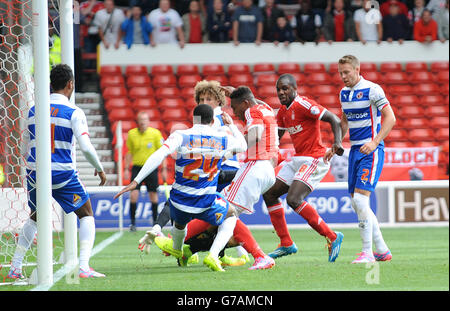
[(153, 22)]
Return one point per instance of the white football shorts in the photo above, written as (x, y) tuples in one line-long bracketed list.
[(252, 180), (308, 170)]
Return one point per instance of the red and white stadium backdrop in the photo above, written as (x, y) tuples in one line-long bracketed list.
[(398, 162)]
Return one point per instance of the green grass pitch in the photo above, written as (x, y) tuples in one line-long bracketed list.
[(420, 263)]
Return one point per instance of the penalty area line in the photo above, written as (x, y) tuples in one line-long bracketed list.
[(66, 269)]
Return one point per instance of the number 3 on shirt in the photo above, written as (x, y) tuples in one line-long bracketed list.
[(209, 167)]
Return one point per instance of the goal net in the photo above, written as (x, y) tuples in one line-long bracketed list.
[(16, 98)]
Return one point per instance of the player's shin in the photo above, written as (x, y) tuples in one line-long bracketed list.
[(24, 242), (243, 236), (360, 204), (178, 236), (315, 221), (87, 238), (278, 219), (224, 233)]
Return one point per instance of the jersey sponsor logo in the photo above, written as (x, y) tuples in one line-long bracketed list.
[(295, 129), (354, 116)]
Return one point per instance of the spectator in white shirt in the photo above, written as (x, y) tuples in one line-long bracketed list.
[(167, 24), (368, 23), (109, 21)]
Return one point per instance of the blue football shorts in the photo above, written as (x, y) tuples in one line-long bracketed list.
[(214, 215), (70, 197), (364, 170)]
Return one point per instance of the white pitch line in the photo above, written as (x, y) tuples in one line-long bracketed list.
[(65, 269)]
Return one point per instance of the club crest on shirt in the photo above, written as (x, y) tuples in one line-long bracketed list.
[(359, 95), (149, 145), (314, 110)]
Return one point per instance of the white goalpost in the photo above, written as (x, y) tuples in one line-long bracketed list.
[(24, 82)]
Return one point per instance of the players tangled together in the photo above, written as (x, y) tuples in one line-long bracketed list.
[(211, 190)]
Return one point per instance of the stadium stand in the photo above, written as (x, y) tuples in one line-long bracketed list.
[(418, 92)]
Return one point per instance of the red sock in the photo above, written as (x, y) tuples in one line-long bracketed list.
[(315, 221), (195, 227), (243, 236), (276, 213)]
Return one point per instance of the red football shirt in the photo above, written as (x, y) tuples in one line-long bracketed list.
[(266, 148), (302, 120)]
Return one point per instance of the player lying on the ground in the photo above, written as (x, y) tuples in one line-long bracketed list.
[(200, 242), (200, 152)]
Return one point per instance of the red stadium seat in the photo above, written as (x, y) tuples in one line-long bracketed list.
[(336, 111), (367, 66), (288, 68), (329, 101), (114, 91), (140, 92), (138, 80), (173, 126), (144, 103), (442, 135), (427, 89), (153, 113), (190, 103), (266, 79), (164, 80), (304, 90), (335, 79), (425, 144), (444, 89), (411, 112), (222, 79), (188, 80), (416, 66), (318, 78), (400, 89), (169, 103), (136, 70), (238, 69), (313, 67), (121, 114), (300, 78), (395, 77), (433, 100), (442, 77), (374, 76), (439, 66), (439, 122), (241, 79), (174, 114), (397, 134), (187, 92), (266, 91), (324, 90), (111, 80), (421, 77), (114, 103), (390, 67), (273, 102), (213, 69), (263, 68), (412, 123), (110, 70), (161, 70), (399, 144), (157, 124), (436, 111), (167, 92), (415, 135), (187, 69), (407, 100), (126, 126)]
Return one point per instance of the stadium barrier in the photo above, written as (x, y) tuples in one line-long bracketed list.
[(249, 53), (395, 203)]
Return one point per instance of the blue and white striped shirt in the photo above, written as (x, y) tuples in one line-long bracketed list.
[(67, 123), (362, 105), (200, 152), (220, 125)]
